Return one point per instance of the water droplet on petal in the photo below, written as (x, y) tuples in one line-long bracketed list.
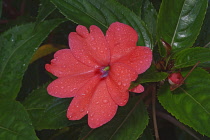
[(82, 110), (97, 102), (105, 101), (91, 115), (119, 83)]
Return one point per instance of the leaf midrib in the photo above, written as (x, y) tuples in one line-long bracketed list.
[(197, 102)]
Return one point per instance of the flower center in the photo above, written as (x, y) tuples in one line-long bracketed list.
[(104, 71)]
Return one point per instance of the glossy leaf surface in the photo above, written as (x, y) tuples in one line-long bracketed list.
[(102, 13), (179, 22), (190, 103)]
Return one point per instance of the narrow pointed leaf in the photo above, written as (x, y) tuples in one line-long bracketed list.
[(190, 103), (129, 123), (47, 112), (14, 122), (179, 22), (189, 57), (102, 13), (45, 50), (17, 47)]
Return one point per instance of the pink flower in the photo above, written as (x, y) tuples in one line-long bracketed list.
[(97, 71)]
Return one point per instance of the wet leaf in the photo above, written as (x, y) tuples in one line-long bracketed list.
[(17, 47)]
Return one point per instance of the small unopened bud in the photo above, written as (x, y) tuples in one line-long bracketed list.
[(175, 78)]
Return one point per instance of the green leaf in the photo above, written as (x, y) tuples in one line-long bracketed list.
[(190, 56), (128, 124), (147, 135), (133, 5), (14, 122), (17, 47), (102, 13), (45, 9), (151, 75), (179, 22), (149, 16), (204, 36), (190, 103), (47, 112)]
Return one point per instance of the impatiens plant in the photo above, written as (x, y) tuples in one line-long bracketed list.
[(104, 69)]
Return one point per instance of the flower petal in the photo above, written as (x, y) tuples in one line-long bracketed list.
[(118, 82), (65, 87), (64, 64), (122, 75), (120, 97), (121, 39), (102, 108), (90, 48), (79, 105), (139, 59), (137, 89)]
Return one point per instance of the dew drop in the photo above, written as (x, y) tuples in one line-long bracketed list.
[(97, 102), (82, 110), (105, 101), (140, 62), (119, 83), (124, 84)]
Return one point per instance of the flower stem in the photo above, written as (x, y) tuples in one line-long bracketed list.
[(154, 112)]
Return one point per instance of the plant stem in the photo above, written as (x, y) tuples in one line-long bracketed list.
[(154, 112)]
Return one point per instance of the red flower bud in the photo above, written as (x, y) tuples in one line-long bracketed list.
[(175, 78)]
